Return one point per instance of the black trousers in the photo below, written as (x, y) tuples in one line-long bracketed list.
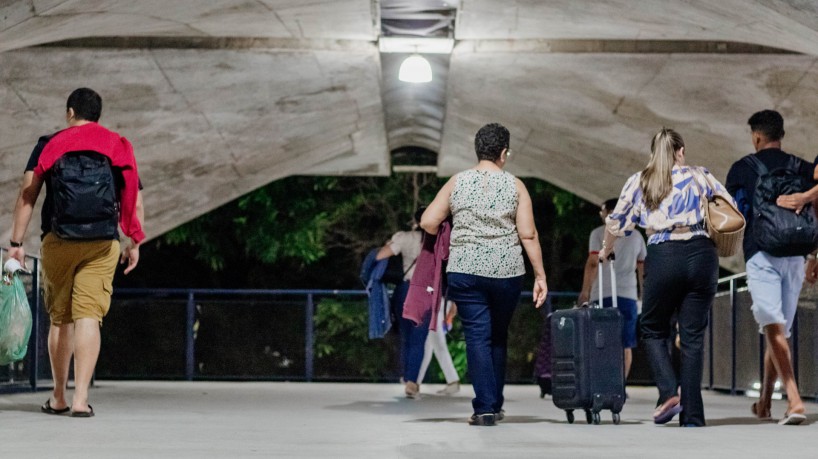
[(681, 279)]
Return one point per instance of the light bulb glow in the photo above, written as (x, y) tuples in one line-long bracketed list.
[(415, 69)]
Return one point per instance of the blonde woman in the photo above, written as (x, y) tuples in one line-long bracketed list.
[(667, 198)]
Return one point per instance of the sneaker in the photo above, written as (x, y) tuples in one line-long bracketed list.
[(451, 388), (412, 390), (500, 415), (485, 419)]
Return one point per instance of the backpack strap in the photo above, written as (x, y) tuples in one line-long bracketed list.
[(794, 164), (756, 164)]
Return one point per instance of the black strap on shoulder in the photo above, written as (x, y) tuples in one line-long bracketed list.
[(794, 164), (756, 164)]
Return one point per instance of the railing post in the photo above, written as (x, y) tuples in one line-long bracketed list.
[(795, 345), (309, 345), (34, 340), (189, 337), (710, 348), (734, 336)]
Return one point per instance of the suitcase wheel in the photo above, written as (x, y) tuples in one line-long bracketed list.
[(569, 414), (589, 418), (616, 418), (597, 418)]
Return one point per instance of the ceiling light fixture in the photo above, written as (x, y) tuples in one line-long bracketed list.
[(415, 69)]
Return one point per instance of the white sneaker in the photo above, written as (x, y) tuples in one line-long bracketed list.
[(451, 388)]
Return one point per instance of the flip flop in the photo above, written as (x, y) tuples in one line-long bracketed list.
[(668, 413), (47, 409), (754, 410), (83, 414), (792, 419)]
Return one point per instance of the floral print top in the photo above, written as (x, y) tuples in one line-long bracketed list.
[(679, 216), (484, 239)]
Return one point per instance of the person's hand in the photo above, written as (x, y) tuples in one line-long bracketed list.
[(131, 255), (795, 201), (605, 254), (19, 254), (540, 291), (583, 297), (812, 271)]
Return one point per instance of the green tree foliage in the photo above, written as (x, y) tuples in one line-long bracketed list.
[(303, 226), (313, 232)]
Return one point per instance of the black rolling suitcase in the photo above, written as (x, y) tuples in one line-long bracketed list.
[(587, 361)]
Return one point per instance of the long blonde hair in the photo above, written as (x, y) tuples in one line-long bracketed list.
[(656, 181)]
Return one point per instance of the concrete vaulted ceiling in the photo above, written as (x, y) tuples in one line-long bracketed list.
[(222, 97)]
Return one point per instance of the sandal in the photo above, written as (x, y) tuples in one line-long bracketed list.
[(792, 419), (83, 414), (667, 410), (47, 409), (767, 416)]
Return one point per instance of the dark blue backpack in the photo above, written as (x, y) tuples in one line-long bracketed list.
[(778, 231), (84, 197)]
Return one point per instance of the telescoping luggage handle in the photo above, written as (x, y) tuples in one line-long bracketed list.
[(613, 282)]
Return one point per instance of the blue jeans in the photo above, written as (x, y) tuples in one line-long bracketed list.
[(412, 338), (485, 306)]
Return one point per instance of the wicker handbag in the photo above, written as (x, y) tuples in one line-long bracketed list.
[(725, 225)]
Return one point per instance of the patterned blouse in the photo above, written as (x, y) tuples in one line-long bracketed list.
[(679, 216), (484, 240)]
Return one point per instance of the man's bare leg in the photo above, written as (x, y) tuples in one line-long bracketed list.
[(762, 407), (628, 361), (779, 350), (60, 348), (86, 352)]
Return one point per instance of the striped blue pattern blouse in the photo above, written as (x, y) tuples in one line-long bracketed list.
[(679, 216)]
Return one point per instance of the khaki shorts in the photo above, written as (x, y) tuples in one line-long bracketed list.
[(77, 278)]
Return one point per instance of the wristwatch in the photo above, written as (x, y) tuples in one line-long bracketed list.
[(15, 244)]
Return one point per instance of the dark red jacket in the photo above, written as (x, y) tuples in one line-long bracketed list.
[(427, 284)]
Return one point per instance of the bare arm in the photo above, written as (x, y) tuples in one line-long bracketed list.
[(438, 210), (607, 245), (385, 252), (531, 242), (588, 278), (23, 209)]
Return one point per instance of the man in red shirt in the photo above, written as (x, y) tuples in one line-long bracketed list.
[(78, 258)]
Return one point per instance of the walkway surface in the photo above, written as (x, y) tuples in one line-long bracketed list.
[(236, 420)]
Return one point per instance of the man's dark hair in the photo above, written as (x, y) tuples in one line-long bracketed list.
[(769, 123), (490, 141), (87, 104), (610, 204)]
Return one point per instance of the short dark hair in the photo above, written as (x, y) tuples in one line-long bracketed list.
[(87, 104), (769, 123), (610, 204), (490, 141)]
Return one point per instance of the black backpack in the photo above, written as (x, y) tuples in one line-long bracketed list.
[(778, 231), (84, 197)]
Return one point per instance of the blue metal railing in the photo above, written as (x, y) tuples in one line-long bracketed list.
[(309, 296), (731, 285)]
